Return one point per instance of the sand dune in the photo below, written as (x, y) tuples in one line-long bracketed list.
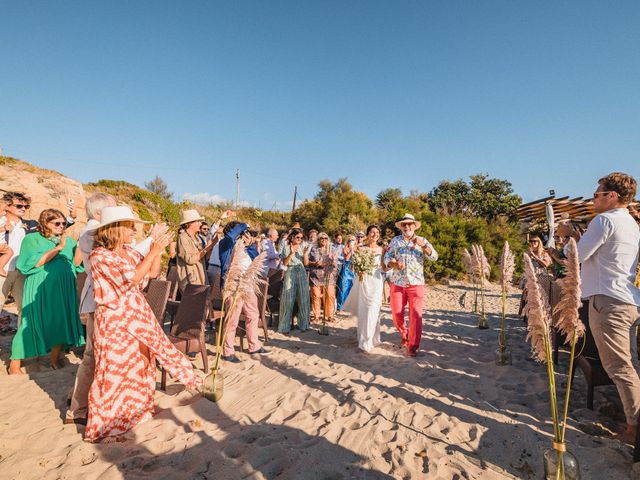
[(317, 408)]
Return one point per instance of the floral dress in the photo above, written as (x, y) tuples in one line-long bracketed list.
[(121, 394)]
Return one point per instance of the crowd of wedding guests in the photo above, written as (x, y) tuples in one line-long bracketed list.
[(110, 317), (123, 340)]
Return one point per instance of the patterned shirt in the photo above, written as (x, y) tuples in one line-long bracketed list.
[(318, 275), (413, 258)]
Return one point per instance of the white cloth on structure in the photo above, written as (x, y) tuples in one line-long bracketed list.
[(364, 303), (608, 252)]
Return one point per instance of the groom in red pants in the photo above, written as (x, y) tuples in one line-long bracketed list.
[(405, 255)]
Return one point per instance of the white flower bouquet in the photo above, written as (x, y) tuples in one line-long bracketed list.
[(363, 262)]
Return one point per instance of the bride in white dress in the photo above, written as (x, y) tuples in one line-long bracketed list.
[(365, 299)]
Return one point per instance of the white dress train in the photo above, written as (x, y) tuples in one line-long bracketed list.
[(364, 303)]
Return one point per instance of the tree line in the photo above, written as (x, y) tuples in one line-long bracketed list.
[(454, 215)]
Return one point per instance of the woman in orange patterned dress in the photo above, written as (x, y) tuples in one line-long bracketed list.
[(127, 337)]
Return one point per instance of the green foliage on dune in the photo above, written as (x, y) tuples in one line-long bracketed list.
[(453, 215)]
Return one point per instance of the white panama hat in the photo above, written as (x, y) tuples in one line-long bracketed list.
[(408, 218), (110, 215), (188, 216)]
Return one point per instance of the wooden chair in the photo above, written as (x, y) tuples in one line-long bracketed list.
[(173, 301), (157, 295), (216, 302), (172, 277), (276, 281), (262, 306), (187, 332), (589, 360)]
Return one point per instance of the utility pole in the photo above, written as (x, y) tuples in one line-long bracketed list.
[(295, 194), (237, 187)]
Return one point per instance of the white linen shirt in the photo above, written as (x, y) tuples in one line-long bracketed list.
[(15, 242), (608, 252)]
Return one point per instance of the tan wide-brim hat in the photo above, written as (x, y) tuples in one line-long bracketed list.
[(110, 215), (188, 216), (408, 218)]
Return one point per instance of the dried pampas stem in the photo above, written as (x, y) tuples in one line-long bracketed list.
[(469, 261), (482, 271), (569, 322), (239, 283), (507, 266), (537, 313)]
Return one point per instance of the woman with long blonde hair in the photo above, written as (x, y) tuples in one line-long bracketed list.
[(127, 336)]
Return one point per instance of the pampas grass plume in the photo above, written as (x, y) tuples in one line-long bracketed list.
[(537, 313), (252, 279), (468, 262), (480, 263), (570, 301), (234, 274), (507, 265)]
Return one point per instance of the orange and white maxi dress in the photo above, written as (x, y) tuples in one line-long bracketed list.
[(121, 395)]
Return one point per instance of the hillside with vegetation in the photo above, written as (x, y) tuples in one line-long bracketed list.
[(454, 214)]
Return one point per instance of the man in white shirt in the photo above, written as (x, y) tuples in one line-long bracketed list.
[(608, 253), (269, 246), (16, 206)]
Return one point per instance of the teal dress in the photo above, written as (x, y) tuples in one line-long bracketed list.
[(50, 300)]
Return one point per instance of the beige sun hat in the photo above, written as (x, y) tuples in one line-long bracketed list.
[(188, 216), (121, 213), (408, 218)]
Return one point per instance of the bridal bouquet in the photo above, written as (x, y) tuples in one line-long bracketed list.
[(363, 262)]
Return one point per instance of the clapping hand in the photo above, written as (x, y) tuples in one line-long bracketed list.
[(162, 241), (158, 230)]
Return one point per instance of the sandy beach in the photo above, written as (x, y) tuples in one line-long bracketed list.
[(317, 408)]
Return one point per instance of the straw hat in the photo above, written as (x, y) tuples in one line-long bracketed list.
[(188, 216), (408, 218), (110, 215)]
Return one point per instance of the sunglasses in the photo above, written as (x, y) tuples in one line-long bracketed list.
[(20, 206), (597, 194), (298, 237), (58, 224)]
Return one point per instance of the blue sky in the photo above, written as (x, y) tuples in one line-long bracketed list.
[(387, 93)]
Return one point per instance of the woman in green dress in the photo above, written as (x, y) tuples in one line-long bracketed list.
[(50, 320)]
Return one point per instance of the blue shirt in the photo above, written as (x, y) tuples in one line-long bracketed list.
[(226, 248)]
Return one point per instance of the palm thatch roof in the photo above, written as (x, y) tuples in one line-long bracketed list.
[(578, 209)]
